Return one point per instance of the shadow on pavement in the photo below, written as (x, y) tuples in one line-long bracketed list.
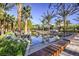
[(72, 52)]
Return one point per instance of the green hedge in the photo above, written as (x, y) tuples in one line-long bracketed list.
[(9, 47)]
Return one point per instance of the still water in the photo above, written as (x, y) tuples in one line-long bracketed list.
[(37, 40)]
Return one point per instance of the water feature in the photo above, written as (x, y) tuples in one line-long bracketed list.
[(41, 39), (36, 40)]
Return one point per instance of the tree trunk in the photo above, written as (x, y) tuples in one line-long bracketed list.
[(4, 27), (49, 28), (13, 27), (19, 16), (0, 27), (10, 27), (0, 24), (7, 26), (2, 30), (26, 26), (64, 26)]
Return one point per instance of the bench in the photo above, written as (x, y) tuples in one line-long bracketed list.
[(62, 44), (52, 52), (54, 48)]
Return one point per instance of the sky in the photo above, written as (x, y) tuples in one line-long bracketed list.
[(37, 11)]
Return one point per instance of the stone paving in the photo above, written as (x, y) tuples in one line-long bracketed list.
[(72, 49)]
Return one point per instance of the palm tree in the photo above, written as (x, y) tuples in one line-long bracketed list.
[(47, 17), (1, 16), (13, 23), (59, 24), (43, 23), (65, 10), (1, 19), (67, 23), (10, 20), (5, 7), (19, 7), (8, 6), (7, 19), (26, 15), (76, 19)]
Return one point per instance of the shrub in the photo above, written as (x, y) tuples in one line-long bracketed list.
[(10, 47)]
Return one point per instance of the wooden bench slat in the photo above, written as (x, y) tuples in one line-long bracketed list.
[(58, 48), (55, 49), (50, 51)]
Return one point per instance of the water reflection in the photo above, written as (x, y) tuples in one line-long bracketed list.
[(41, 39), (36, 40)]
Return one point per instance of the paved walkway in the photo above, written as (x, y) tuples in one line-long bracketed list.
[(72, 49)]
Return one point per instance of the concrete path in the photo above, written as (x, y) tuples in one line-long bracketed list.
[(72, 49)]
